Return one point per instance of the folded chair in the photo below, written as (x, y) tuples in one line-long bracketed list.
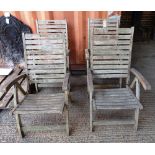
[(110, 58), (45, 58), (54, 26)]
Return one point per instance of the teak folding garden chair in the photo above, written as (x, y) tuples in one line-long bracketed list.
[(45, 57), (54, 26), (110, 57)]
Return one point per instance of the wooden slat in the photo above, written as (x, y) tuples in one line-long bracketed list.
[(52, 26), (119, 47), (48, 80), (120, 37), (43, 41), (113, 57), (110, 75), (51, 31), (41, 36), (45, 57), (48, 76), (114, 67), (45, 51), (55, 46), (109, 52), (110, 71), (114, 122), (54, 71), (111, 42), (111, 62), (41, 67), (51, 22), (46, 62), (120, 31)]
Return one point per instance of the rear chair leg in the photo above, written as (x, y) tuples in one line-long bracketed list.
[(91, 118), (91, 122), (67, 120), (136, 118), (18, 121)]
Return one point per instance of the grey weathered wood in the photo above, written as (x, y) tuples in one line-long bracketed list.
[(90, 81), (18, 122), (110, 57), (65, 82), (6, 95), (42, 70), (99, 23), (114, 122), (50, 26), (141, 79), (136, 118)]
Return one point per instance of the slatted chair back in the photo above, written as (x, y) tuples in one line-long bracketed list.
[(45, 58), (53, 26), (109, 24), (111, 52)]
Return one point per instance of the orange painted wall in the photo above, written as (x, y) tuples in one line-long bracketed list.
[(77, 27)]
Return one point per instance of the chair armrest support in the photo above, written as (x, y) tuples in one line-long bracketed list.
[(90, 81), (146, 85), (65, 86)]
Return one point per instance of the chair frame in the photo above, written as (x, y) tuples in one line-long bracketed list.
[(138, 79), (16, 83)]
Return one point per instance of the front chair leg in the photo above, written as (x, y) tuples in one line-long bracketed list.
[(91, 113), (136, 118), (18, 122), (67, 120)]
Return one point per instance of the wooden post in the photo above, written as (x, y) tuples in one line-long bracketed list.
[(136, 118), (91, 112), (137, 89), (17, 117), (67, 120)]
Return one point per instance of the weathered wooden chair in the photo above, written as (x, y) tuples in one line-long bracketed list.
[(54, 26), (110, 57), (45, 58)]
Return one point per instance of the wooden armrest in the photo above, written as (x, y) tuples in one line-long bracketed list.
[(87, 53), (11, 82), (65, 82), (141, 79), (90, 81)]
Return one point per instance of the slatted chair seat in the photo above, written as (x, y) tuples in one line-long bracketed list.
[(118, 98), (40, 103)]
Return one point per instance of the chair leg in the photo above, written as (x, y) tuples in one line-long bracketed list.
[(136, 118), (18, 122), (91, 119), (67, 120)]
